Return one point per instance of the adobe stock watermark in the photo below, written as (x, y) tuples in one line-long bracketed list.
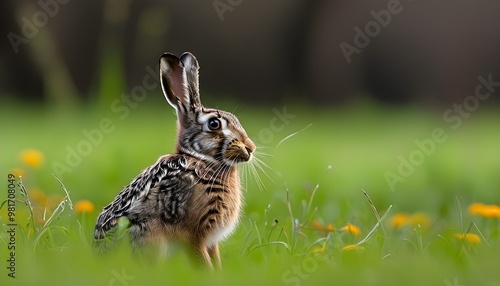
[(223, 6), (302, 271), (47, 9), (277, 123), (92, 138), (372, 29), (453, 116), (120, 278)]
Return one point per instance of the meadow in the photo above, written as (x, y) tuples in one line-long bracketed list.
[(429, 214)]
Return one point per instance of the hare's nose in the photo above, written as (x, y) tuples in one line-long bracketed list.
[(249, 150), (249, 146)]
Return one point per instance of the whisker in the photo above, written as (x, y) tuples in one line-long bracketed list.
[(260, 153), (207, 170), (259, 164), (217, 172), (244, 171), (255, 166), (258, 180)]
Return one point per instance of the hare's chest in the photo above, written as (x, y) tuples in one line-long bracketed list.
[(225, 222), (217, 214), (220, 233)]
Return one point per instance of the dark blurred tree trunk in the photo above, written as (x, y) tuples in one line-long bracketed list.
[(18, 77), (41, 50)]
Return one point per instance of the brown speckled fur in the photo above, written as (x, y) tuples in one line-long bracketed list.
[(194, 195)]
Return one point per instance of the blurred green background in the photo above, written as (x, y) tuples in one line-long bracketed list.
[(402, 117)]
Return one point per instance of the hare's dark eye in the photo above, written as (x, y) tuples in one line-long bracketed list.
[(214, 124)]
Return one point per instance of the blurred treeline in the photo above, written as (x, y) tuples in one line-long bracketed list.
[(430, 52)]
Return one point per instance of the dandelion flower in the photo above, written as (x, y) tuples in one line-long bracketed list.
[(469, 237), (84, 206), (476, 208), (487, 211), (329, 227), (491, 211), (32, 158), (419, 219), (316, 225), (352, 229), (399, 220)]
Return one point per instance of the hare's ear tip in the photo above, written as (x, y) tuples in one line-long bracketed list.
[(169, 61), (189, 59), (168, 57), (187, 54), (167, 54)]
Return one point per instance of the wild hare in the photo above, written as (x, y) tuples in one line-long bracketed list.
[(194, 195)]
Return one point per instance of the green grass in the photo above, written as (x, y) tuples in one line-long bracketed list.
[(360, 143)]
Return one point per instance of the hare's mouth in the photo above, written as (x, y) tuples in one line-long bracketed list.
[(238, 154)]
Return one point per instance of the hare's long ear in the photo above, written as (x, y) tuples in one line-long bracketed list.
[(191, 68), (177, 82)]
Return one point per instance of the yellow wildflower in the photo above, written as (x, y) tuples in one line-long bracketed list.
[(469, 237), (399, 220), (487, 211), (32, 158), (476, 208), (329, 227), (352, 229), (84, 206), (419, 219), (316, 225)]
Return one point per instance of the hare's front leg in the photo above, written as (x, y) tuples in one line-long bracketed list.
[(214, 253), (204, 252), (210, 255)]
